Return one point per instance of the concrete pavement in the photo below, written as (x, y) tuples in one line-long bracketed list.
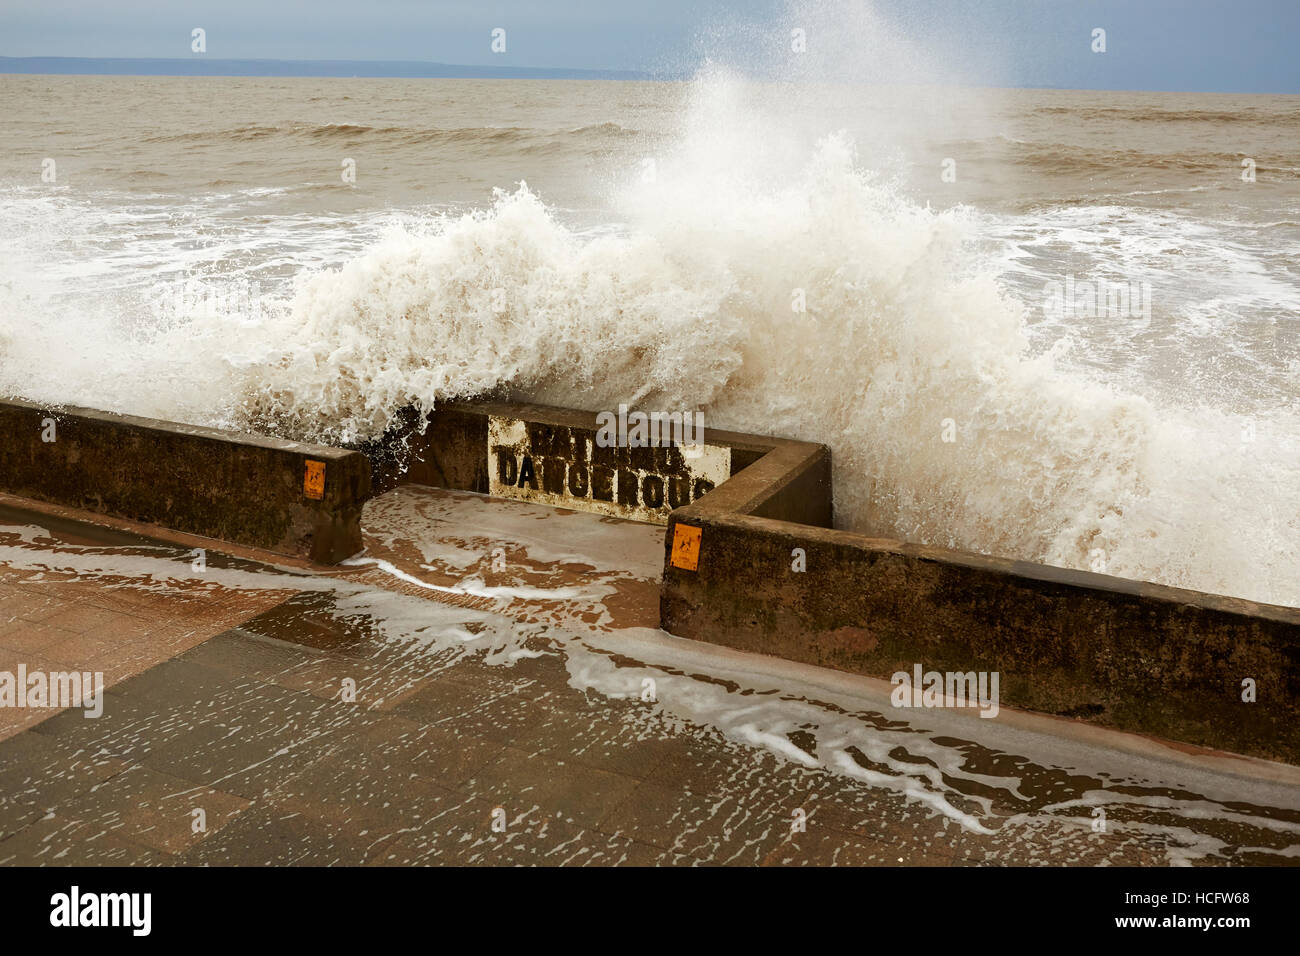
[(487, 685)]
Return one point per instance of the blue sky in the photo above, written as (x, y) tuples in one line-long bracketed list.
[(1210, 45)]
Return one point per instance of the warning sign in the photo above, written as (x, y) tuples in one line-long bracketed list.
[(686, 547), (564, 466), (313, 482)]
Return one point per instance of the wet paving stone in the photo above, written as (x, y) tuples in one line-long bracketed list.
[(395, 745), (367, 718), (578, 794), (501, 712), (272, 836), (53, 841)]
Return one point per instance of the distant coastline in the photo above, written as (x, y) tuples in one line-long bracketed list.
[(211, 66)]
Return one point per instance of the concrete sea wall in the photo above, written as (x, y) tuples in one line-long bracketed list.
[(291, 498), (1126, 654), (751, 559)]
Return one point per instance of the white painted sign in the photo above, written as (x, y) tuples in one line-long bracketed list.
[(563, 466)]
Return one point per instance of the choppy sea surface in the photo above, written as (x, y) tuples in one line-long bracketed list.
[(876, 268)]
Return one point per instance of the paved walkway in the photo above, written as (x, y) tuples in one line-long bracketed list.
[(487, 686)]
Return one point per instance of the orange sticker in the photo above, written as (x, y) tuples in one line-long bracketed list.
[(313, 483), (686, 547)]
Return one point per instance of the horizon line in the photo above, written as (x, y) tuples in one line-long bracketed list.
[(218, 67)]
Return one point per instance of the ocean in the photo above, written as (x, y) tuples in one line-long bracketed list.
[(1054, 325)]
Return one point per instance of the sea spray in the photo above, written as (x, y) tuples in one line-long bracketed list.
[(691, 308), (952, 418)]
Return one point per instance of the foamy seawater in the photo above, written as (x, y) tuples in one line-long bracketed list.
[(200, 256)]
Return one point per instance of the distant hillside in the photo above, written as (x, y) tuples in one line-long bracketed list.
[(208, 66)]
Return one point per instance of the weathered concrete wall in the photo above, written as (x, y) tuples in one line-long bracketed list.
[(1137, 656), (245, 489)]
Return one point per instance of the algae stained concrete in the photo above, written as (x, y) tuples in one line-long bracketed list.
[(245, 489)]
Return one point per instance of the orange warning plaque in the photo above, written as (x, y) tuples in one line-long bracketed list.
[(313, 482), (686, 547)]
